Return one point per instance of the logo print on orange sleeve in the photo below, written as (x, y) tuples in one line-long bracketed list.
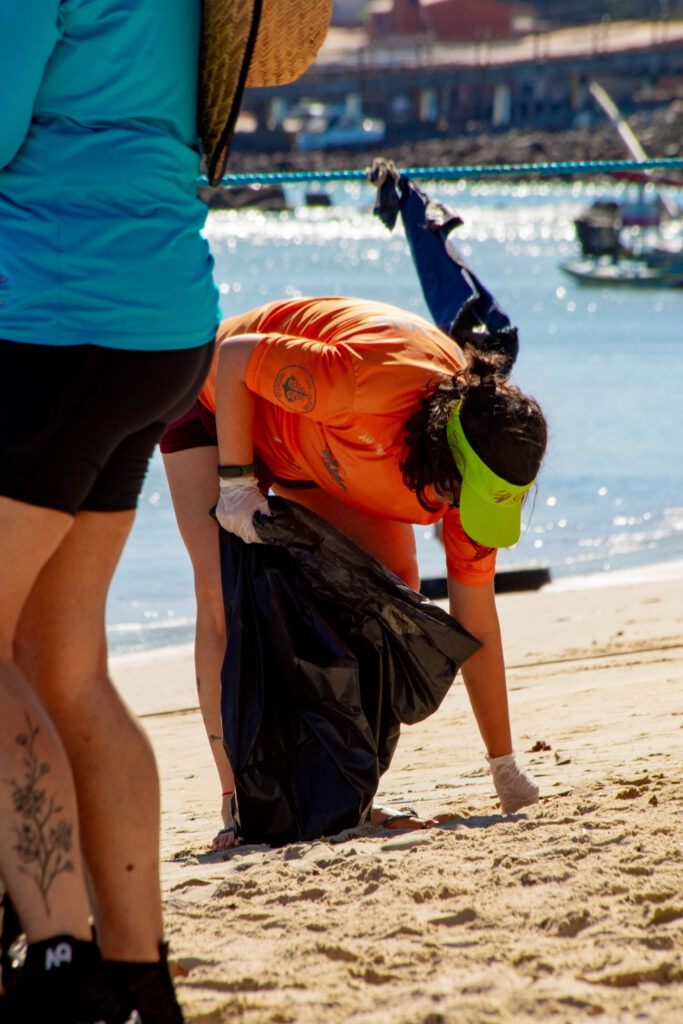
[(294, 386)]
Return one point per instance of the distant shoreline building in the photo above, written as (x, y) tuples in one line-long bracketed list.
[(447, 20), (510, 71)]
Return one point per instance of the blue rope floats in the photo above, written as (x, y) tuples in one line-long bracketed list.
[(454, 173)]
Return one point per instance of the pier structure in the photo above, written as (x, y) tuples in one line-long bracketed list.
[(421, 87)]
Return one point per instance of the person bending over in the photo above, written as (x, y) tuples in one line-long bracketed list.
[(374, 419)]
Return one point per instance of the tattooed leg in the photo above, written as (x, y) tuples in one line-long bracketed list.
[(40, 858), (35, 776), (44, 839), (61, 646)]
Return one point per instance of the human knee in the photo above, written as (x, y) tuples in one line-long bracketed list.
[(410, 575), (405, 568), (8, 638)]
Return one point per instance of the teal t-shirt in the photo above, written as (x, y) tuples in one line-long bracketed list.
[(100, 223)]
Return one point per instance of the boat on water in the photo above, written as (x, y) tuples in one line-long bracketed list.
[(317, 126), (630, 243), (614, 252), (640, 273), (341, 131), (618, 250)]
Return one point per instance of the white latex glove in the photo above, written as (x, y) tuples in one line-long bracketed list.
[(240, 498), (514, 787)]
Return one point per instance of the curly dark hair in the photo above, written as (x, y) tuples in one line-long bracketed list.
[(506, 428)]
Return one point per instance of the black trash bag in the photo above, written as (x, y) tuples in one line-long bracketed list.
[(459, 303), (328, 653)]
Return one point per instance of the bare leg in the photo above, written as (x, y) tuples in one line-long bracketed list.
[(61, 647), (193, 483), (40, 857)]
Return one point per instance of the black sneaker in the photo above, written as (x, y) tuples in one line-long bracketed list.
[(12, 943), (148, 986), (63, 982)]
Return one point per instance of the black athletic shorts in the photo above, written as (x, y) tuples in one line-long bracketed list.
[(79, 423)]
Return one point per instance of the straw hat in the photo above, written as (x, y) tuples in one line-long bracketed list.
[(250, 43)]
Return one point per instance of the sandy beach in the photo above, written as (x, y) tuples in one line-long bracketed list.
[(569, 911)]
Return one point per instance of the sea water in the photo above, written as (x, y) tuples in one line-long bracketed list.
[(605, 363)]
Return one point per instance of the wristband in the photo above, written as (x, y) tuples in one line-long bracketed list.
[(225, 472)]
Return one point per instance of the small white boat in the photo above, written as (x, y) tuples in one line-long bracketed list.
[(635, 272), (339, 131), (624, 243)]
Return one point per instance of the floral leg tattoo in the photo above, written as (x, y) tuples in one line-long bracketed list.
[(43, 839)]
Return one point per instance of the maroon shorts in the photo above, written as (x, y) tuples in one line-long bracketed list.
[(196, 429)]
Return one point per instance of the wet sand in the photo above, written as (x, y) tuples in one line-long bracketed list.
[(569, 911)]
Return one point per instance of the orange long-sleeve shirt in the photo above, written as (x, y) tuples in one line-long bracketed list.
[(334, 381)]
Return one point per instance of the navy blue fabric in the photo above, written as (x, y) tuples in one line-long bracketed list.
[(457, 299)]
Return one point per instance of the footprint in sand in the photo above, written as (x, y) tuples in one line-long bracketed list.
[(464, 916), (568, 926), (337, 953), (663, 915)]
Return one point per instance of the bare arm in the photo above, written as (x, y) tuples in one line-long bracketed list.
[(484, 672), (234, 401)]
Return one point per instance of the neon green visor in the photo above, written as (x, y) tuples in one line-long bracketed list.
[(490, 507)]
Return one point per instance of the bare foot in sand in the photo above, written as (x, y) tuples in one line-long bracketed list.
[(399, 818)]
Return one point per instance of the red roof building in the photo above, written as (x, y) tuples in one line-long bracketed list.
[(444, 20)]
